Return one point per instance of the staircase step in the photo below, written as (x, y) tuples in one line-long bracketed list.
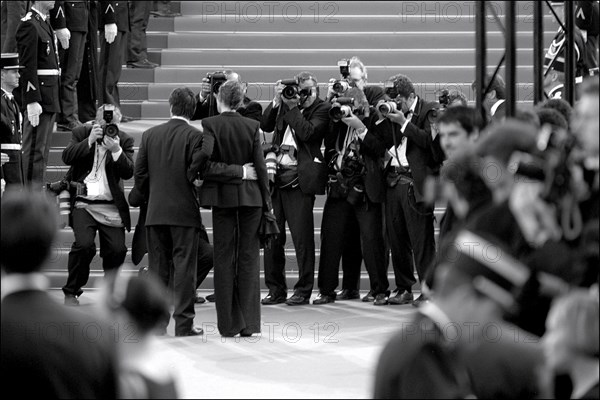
[(261, 12), (340, 41), (304, 56), (340, 23)]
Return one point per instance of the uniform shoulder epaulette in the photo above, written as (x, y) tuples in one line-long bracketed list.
[(27, 17)]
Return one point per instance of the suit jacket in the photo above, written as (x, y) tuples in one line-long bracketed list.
[(114, 12), (310, 127), (169, 159), (38, 50), (73, 15), (418, 362), (80, 157), (250, 109), (237, 141), (372, 151), (47, 353), (419, 145), (11, 121)]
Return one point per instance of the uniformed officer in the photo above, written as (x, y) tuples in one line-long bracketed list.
[(40, 88), (70, 22), (10, 136), (114, 24)]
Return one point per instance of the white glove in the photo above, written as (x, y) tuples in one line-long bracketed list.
[(3, 186), (33, 113), (110, 32), (5, 158), (63, 35)]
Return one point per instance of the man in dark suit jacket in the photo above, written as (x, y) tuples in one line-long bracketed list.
[(353, 152), (11, 121), (299, 125), (47, 350), (40, 89), (409, 161), (170, 157), (101, 163), (114, 25)]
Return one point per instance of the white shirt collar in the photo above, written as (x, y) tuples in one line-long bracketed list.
[(181, 118), (495, 106), (13, 283), (414, 104), (41, 15), (9, 95)]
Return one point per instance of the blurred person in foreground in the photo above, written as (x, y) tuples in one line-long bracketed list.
[(137, 306), (237, 209), (571, 345), (47, 350)]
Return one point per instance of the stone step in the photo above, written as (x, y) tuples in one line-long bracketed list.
[(339, 23), (259, 11), (305, 56)]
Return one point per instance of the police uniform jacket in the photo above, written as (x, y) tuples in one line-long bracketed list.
[(73, 15), (11, 123), (38, 53), (310, 127), (115, 12), (80, 156)]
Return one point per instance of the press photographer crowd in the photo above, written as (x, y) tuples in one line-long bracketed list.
[(508, 302)]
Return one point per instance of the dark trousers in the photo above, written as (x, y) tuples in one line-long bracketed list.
[(173, 252), (351, 256), (12, 171), (205, 259), (87, 86), (296, 208), (83, 250), (237, 270), (139, 13), (336, 214), (36, 148), (410, 232), (111, 63), (71, 61)]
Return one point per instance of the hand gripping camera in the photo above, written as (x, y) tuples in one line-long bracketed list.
[(216, 79), (342, 107)]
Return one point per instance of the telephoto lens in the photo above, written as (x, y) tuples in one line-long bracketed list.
[(271, 162), (340, 86), (387, 107), (64, 206)]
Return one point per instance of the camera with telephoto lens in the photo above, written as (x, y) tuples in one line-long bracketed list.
[(109, 129), (216, 79), (387, 107), (341, 85), (343, 107), (79, 189), (444, 98), (291, 88)]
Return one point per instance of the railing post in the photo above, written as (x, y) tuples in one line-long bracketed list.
[(511, 57), (480, 56), (538, 51)]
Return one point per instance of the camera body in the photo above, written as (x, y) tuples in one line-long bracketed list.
[(109, 129), (216, 79), (291, 88), (444, 98), (343, 107)]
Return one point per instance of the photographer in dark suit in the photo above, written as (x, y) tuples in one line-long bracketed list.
[(406, 131), (101, 157), (206, 101), (299, 120), (237, 209), (169, 159), (353, 152)]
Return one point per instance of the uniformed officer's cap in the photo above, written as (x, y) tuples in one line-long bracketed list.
[(10, 61)]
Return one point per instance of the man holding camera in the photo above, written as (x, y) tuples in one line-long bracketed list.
[(101, 157), (406, 131), (206, 103), (299, 120), (353, 152)]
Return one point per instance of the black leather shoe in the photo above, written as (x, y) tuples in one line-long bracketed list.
[(200, 299), (297, 300), (401, 298), (195, 331), (71, 300), (368, 297), (143, 64), (68, 126), (125, 119), (211, 298), (419, 301), (272, 299), (348, 294), (380, 300), (324, 299)]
